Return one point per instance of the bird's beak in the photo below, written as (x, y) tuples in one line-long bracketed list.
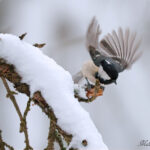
[(115, 82)]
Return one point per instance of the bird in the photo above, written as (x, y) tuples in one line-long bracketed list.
[(114, 53)]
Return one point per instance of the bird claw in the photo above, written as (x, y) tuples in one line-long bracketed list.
[(88, 85), (102, 87)]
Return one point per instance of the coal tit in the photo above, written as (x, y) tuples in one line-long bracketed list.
[(112, 55)]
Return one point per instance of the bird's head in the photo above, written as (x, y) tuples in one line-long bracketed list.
[(110, 69)]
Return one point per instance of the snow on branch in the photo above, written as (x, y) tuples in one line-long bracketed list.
[(51, 88)]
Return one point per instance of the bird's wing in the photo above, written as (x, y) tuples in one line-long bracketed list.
[(121, 47), (77, 77), (92, 42), (92, 35)]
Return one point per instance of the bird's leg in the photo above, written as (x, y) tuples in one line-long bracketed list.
[(89, 86)]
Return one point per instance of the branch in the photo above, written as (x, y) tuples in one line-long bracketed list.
[(23, 126), (51, 136), (91, 94), (55, 88), (27, 110), (3, 144), (8, 71)]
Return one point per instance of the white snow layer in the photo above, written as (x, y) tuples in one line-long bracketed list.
[(57, 87)]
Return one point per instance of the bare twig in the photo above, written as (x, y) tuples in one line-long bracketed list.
[(8, 146), (95, 92), (27, 109), (51, 136), (8, 71), (23, 127), (21, 37), (59, 140), (66, 136), (39, 45), (4, 144)]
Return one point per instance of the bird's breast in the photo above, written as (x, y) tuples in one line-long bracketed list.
[(88, 70)]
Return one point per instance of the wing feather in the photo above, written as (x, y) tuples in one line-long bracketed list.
[(134, 50), (119, 46), (107, 46), (120, 34), (113, 43), (136, 57), (122, 46), (126, 40), (92, 35), (117, 42), (131, 42)]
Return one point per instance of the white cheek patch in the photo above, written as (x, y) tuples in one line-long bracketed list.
[(107, 61), (103, 74)]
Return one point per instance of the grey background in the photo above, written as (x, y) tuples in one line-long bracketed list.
[(122, 114)]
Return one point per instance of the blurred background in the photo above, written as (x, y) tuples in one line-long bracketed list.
[(122, 114)]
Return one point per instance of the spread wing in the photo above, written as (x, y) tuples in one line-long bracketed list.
[(92, 42), (92, 36), (122, 47), (119, 48)]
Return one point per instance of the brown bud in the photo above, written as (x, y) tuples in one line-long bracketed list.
[(39, 45), (21, 37), (84, 142)]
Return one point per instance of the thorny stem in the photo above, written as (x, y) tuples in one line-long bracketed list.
[(23, 127)]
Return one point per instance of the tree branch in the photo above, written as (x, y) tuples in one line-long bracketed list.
[(3, 144), (59, 140), (92, 94), (51, 136), (8, 71), (23, 126)]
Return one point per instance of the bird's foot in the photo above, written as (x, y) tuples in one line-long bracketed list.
[(102, 87), (89, 86)]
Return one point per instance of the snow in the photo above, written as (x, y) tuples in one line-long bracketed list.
[(57, 87), (80, 88)]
